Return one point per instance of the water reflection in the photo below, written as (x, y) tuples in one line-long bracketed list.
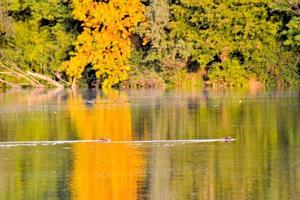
[(262, 164), (34, 173), (107, 171), (107, 116)]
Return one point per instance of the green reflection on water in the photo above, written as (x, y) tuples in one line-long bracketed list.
[(262, 164)]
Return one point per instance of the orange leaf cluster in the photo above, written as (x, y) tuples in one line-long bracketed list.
[(105, 40)]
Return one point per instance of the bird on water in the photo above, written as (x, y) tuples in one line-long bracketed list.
[(103, 140), (227, 139)]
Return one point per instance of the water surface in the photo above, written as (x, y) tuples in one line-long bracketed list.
[(263, 163)]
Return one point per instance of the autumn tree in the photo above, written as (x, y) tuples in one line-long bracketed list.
[(219, 41), (105, 41)]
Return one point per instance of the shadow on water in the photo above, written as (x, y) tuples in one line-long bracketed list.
[(261, 164)]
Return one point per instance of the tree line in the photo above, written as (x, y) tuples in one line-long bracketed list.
[(152, 43)]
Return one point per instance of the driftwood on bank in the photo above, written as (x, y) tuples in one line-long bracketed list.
[(13, 85), (10, 69), (18, 75), (23, 74), (45, 78)]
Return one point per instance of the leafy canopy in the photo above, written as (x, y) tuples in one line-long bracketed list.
[(105, 41), (43, 34)]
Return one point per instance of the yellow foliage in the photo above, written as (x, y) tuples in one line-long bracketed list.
[(105, 41)]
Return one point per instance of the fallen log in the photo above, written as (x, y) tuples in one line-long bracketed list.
[(13, 70), (22, 73), (18, 75), (45, 78)]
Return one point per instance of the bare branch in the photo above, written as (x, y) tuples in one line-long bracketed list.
[(45, 78), (13, 85)]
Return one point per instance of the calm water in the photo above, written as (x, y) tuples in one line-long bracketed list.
[(264, 162)]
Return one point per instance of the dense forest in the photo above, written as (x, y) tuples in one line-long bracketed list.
[(149, 43)]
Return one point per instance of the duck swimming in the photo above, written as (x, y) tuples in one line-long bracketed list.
[(103, 140), (227, 139)]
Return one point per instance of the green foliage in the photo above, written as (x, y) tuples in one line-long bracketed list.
[(277, 66), (141, 75), (158, 16), (221, 36), (43, 34), (230, 40), (293, 33), (288, 12), (230, 73), (223, 42), (6, 27)]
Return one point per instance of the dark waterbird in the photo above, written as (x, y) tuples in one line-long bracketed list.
[(104, 140), (227, 139), (90, 102)]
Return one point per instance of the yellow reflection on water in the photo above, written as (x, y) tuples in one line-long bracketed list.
[(104, 171), (106, 117)]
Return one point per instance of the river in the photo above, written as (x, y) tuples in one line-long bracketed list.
[(262, 163)]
